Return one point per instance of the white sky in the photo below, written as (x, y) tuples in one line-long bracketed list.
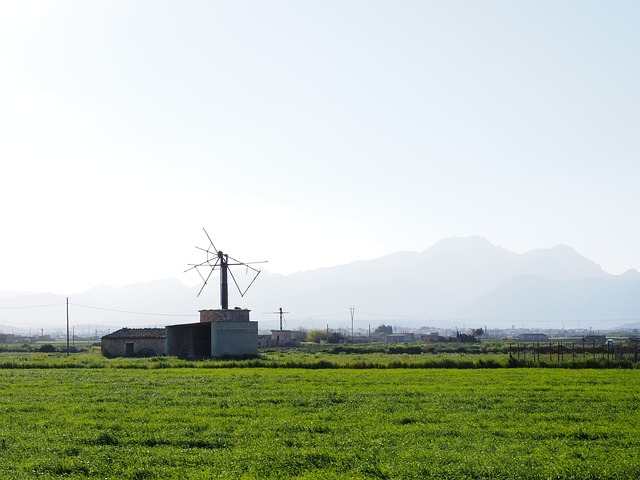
[(310, 134)]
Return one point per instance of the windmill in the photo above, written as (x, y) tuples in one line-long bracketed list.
[(217, 259), (281, 316)]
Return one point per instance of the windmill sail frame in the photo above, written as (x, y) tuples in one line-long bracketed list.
[(222, 263)]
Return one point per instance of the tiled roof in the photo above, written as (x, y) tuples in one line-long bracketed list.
[(137, 333)]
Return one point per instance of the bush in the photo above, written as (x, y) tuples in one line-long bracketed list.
[(47, 348)]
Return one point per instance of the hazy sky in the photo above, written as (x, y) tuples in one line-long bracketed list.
[(310, 133)]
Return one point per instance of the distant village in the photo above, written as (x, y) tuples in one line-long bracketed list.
[(153, 341)]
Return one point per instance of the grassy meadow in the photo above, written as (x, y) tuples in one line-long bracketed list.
[(362, 356), (125, 420)]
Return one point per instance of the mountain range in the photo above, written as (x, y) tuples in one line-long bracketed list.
[(456, 282)]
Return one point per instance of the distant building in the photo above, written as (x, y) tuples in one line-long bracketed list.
[(432, 337), (533, 337), (220, 333), (285, 338), (399, 338), (130, 342)]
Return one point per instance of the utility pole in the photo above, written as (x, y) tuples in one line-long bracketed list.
[(67, 326), (352, 310)]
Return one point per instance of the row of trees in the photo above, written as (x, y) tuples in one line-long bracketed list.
[(318, 335)]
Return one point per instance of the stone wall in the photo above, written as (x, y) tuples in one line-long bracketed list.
[(234, 339), (117, 347), (234, 315)]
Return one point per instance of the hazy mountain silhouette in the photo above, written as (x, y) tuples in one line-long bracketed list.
[(535, 300), (456, 281)]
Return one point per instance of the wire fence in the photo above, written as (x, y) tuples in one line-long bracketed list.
[(574, 351)]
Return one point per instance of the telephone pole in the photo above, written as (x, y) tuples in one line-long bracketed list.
[(67, 326), (352, 310)]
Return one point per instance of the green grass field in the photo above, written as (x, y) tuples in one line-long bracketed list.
[(206, 423), (373, 356)]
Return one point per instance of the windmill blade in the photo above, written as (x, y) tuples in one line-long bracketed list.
[(209, 252), (195, 266), (210, 255), (247, 264), (205, 281), (249, 286), (192, 266), (234, 281), (201, 288), (242, 292), (213, 267), (214, 247), (222, 262)]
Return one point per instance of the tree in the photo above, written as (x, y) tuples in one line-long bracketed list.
[(388, 329), (464, 338), (316, 335), (477, 332)]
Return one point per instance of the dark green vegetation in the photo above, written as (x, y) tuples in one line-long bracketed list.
[(365, 356), (52, 346), (191, 423)]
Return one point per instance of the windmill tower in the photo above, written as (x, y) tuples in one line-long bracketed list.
[(221, 332)]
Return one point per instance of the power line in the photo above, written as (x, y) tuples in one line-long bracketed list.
[(33, 306), (135, 313), (101, 308)]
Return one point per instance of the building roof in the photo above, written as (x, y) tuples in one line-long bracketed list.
[(137, 333)]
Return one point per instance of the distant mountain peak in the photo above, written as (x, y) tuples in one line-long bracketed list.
[(456, 245), (631, 274), (562, 261), (562, 250)]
